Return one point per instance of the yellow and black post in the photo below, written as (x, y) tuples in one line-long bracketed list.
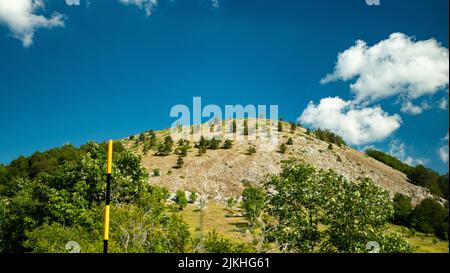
[(107, 197)]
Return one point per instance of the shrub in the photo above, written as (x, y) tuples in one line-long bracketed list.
[(180, 199), (402, 209), (290, 141)]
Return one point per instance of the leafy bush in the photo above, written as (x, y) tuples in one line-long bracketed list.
[(180, 199), (328, 136), (301, 198), (430, 217), (228, 144), (402, 209), (253, 199)]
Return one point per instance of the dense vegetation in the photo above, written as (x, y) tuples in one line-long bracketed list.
[(328, 136), (43, 208), (297, 203), (428, 217), (57, 196), (419, 175)]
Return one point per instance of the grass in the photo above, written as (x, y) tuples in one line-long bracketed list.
[(219, 217), (422, 243)]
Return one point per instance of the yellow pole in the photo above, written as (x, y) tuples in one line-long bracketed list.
[(107, 197)]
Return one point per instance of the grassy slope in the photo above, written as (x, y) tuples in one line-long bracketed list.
[(217, 216)]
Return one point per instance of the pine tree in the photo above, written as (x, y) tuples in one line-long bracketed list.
[(228, 144), (290, 141), (283, 148), (180, 162)]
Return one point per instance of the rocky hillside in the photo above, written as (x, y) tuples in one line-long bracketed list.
[(220, 173)]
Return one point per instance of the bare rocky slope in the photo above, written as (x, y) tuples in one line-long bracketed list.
[(219, 173)]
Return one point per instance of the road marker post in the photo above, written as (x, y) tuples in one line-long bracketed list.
[(107, 197)]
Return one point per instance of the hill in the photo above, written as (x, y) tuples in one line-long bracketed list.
[(219, 173)]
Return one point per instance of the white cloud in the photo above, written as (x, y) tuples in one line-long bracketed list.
[(443, 153), (215, 3), (412, 109), (21, 18), (443, 150), (357, 125), (443, 103), (397, 149), (146, 5), (398, 66)]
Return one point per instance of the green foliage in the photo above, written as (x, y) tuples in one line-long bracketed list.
[(180, 199), (180, 163), (301, 198), (245, 127), (234, 127), (430, 217), (357, 213), (330, 146), (165, 148), (296, 203), (214, 243), (328, 136), (290, 141), (419, 175), (293, 127), (253, 200), (388, 160), (402, 209), (231, 202), (193, 197), (251, 150), (429, 179), (228, 144), (280, 126), (283, 148), (214, 144), (156, 172), (53, 238), (71, 194)]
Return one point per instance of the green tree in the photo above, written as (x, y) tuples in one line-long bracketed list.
[(251, 150), (293, 127), (166, 147), (430, 217), (290, 141), (245, 127), (280, 126), (180, 162), (180, 199), (296, 203), (283, 148), (402, 209), (193, 197), (356, 213), (253, 199), (228, 144)]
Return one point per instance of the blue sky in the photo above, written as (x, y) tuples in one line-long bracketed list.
[(112, 70)]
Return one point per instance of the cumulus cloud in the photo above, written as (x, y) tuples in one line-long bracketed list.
[(146, 5), (443, 150), (397, 149), (21, 18), (357, 125), (398, 66)]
